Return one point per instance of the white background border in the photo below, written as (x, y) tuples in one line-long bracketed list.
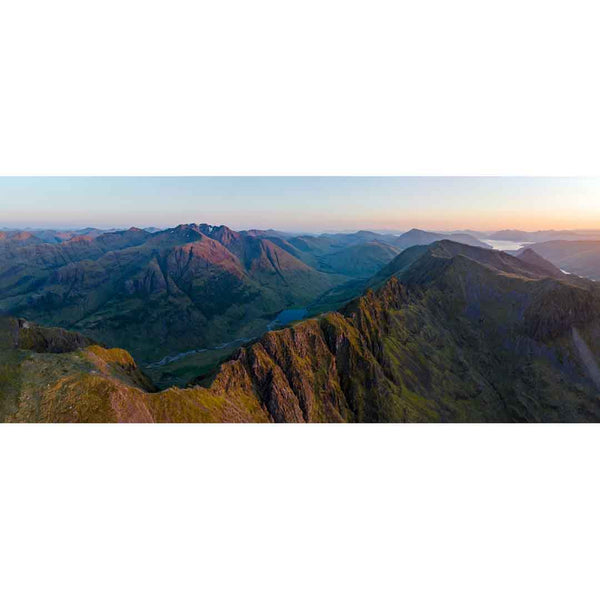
[(299, 512), (332, 88)]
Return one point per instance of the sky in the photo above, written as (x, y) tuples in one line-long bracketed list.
[(303, 203)]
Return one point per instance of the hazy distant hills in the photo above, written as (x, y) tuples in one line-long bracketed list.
[(448, 332), (18, 238), (577, 257), (359, 260), (52, 236), (418, 237), (544, 236), (363, 253)]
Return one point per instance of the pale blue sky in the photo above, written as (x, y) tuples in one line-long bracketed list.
[(302, 203)]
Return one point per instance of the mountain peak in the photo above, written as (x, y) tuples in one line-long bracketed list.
[(419, 264)]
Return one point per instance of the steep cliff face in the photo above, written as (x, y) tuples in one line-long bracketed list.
[(457, 335)]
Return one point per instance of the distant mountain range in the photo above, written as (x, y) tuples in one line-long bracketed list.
[(446, 332), (347, 237)]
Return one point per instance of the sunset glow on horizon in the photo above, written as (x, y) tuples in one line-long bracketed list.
[(303, 203)]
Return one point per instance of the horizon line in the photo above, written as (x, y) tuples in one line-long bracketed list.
[(389, 230)]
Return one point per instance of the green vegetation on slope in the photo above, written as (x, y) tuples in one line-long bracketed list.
[(459, 334)]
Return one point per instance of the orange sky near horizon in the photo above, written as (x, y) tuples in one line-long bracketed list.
[(304, 203)]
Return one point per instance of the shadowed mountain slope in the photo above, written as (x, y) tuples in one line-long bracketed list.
[(421, 262), (532, 258)]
